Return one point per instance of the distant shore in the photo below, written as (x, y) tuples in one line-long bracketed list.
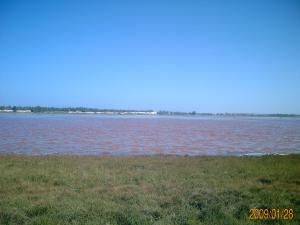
[(84, 110)]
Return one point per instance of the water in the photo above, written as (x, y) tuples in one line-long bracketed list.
[(43, 134)]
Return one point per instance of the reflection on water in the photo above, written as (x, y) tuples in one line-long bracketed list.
[(134, 135)]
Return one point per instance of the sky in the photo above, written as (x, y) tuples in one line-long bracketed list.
[(204, 56)]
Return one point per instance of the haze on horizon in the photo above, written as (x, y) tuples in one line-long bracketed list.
[(207, 56)]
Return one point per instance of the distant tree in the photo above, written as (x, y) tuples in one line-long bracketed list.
[(37, 109), (14, 108)]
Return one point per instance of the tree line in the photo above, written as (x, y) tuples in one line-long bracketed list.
[(45, 109), (41, 109)]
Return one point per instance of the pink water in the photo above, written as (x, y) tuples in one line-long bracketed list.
[(41, 134)]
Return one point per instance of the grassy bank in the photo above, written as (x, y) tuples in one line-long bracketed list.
[(146, 190)]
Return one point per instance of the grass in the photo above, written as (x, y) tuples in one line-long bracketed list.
[(146, 190)]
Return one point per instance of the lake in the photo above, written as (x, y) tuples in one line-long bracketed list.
[(44, 134)]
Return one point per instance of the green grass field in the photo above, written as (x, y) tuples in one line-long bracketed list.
[(146, 190)]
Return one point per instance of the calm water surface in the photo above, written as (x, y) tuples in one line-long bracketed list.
[(41, 134)]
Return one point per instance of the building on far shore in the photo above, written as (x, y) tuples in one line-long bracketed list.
[(17, 111), (6, 110), (138, 113), (116, 112), (23, 111)]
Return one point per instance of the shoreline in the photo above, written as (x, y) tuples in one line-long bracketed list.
[(153, 113), (157, 116), (249, 155)]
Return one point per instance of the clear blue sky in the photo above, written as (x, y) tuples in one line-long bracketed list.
[(208, 56)]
